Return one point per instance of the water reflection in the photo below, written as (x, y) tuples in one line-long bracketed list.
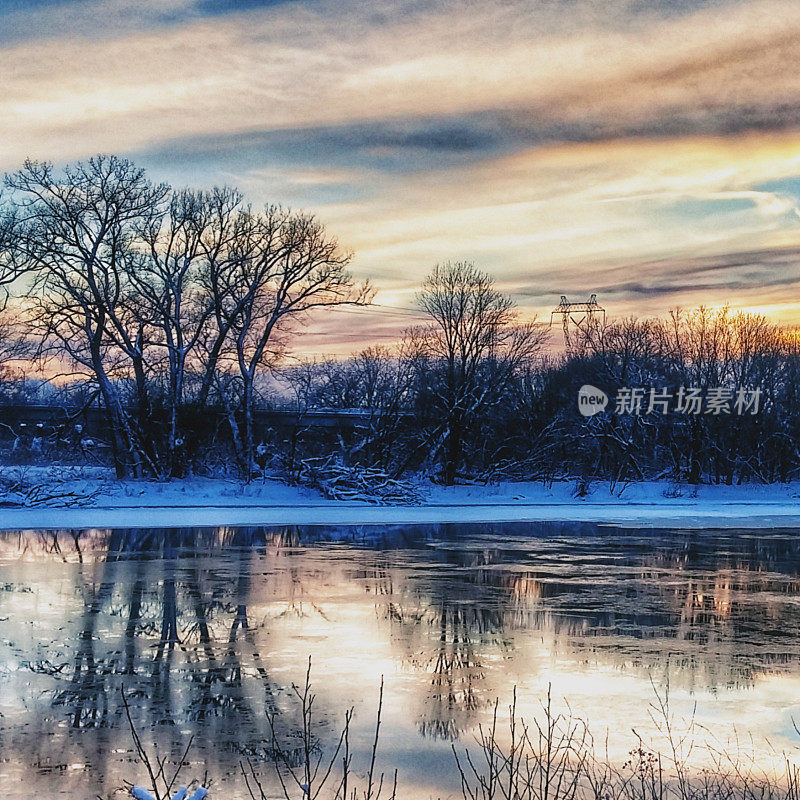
[(207, 629)]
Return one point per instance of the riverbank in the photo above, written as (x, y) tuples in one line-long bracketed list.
[(211, 502)]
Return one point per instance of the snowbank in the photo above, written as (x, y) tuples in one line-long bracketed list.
[(203, 502)]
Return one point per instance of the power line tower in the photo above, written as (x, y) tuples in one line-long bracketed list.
[(576, 315)]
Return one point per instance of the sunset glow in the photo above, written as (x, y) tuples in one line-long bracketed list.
[(649, 152)]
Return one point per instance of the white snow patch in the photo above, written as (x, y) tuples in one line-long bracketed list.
[(211, 502)]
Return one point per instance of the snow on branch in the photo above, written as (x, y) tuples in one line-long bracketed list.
[(367, 484), (18, 488)]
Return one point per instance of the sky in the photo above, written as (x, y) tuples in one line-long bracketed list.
[(645, 150)]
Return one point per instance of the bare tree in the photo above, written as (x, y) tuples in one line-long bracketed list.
[(74, 231), (14, 345), (175, 306), (12, 263), (283, 265), (475, 345)]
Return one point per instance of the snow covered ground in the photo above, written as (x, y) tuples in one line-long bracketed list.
[(199, 502)]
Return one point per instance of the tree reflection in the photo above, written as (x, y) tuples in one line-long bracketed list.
[(182, 618), (610, 595)]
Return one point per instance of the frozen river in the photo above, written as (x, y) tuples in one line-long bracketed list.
[(207, 629)]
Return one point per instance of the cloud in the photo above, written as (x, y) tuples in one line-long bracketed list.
[(573, 146), (228, 6), (402, 146), (578, 219), (540, 75), (671, 281), (92, 20)]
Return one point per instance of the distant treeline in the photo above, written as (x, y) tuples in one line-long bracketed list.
[(699, 396), (172, 310)]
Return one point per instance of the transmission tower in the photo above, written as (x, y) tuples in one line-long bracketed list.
[(576, 315)]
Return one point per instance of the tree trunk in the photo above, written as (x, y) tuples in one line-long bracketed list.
[(121, 447), (249, 448), (452, 452)]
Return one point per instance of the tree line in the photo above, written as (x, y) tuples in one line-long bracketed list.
[(169, 307), (516, 415)]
